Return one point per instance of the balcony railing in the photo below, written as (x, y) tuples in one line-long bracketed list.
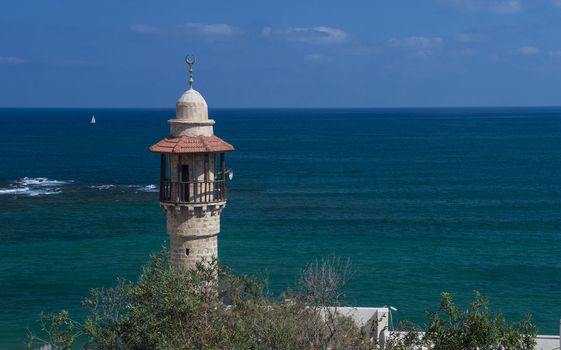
[(193, 192)]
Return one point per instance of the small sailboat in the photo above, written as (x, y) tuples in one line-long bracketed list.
[(93, 119)]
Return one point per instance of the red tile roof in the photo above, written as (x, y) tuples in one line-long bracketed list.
[(191, 144)]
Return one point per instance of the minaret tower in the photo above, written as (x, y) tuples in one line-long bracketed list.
[(192, 180)]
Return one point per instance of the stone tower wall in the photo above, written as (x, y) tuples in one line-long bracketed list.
[(193, 234), (198, 249), (195, 222)]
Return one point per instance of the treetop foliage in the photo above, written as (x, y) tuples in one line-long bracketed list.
[(209, 307)]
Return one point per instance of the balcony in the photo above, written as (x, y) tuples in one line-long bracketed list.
[(193, 192)]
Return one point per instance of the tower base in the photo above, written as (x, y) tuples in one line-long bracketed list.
[(193, 233), (186, 252)]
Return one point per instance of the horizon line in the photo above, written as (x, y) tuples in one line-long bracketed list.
[(304, 108)]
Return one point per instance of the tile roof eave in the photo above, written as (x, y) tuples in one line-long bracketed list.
[(191, 144)]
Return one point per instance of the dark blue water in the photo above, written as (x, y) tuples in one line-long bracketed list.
[(422, 200)]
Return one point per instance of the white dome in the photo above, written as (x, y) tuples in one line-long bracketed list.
[(191, 106)]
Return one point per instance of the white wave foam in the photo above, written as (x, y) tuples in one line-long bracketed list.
[(39, 181), (45, 192), (138, 188), (147, 188), (102, 187), (14, 190), (33, 187), (150, 188)]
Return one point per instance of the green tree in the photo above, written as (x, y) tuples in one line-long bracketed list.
[(476, 328), (205, 308), (209, 307)]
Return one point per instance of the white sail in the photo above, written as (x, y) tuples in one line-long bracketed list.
[(93, 119)]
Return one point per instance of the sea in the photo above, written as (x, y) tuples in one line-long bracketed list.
[(422, 201)]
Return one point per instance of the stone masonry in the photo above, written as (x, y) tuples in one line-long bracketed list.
[(193, 233), (192, 191)]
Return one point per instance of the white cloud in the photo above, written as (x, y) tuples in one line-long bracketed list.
[(218, 29), (11, 60), (529, 50), (555, 53), (417, 42), (463, 52), (422, 46), (503, 7), (314, 57), (465, 37), (312, 35), (144, 29), (424, 53)]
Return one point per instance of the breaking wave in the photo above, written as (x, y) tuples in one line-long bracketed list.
[(150, 188), (102, 187), (137, 188), (15, 190), (40, 181), (33, 187), (39, 186)]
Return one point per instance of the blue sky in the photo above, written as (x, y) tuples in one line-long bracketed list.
[(258, 53)]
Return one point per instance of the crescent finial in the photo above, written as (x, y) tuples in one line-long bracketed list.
[(190, 60)]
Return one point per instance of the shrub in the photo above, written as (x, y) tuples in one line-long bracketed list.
[(211, 308), (205, 308), (476, 328)]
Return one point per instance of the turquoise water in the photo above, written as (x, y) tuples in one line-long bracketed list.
[(421, 200)]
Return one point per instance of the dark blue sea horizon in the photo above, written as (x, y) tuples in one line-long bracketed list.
[(422, 200)]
